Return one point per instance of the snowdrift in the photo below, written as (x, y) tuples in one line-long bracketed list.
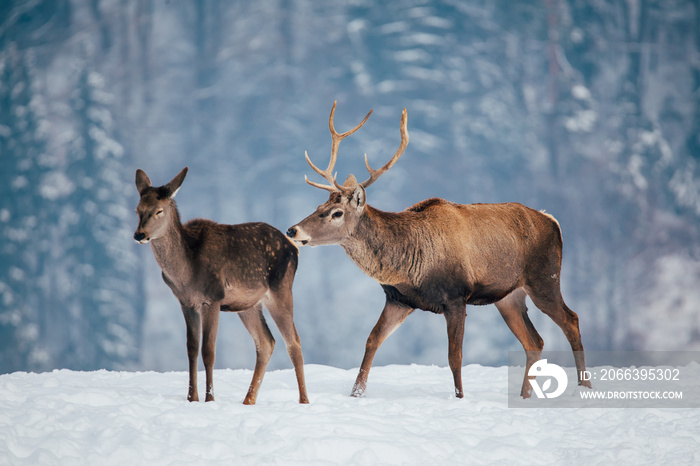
[(409, 415)]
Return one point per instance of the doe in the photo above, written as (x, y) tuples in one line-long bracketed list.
[(212, 267)]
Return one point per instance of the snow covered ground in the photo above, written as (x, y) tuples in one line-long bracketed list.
[(408, 415)]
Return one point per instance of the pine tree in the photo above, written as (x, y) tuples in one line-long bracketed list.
[(104, 307), (23, 214)]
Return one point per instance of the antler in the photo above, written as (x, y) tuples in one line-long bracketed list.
[(333, 186), (374, 174)]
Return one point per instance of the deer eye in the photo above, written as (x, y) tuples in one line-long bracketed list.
[(159, 213), (337, 214)]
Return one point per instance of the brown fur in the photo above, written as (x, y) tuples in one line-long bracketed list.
[(439, 256), (212, 267)]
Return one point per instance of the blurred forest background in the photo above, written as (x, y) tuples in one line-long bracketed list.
[(588, 109)]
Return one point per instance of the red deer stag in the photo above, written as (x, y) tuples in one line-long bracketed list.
[(212, 267), (439, 257)]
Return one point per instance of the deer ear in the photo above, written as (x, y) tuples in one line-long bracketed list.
[(176, 182), (142, 181), (359, 197)]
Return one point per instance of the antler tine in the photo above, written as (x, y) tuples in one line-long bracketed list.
[(336, 137), (374, 174), (341, 136), (326, 174), (322, 186)]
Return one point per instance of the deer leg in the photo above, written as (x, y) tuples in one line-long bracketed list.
[(210, 327), (455, 337), (514, 312), (392, 317), (551, 303), (193, 321), (281, 308), (254, 322)]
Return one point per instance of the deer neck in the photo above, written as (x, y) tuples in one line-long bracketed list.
[(378, 246), (171, 250)]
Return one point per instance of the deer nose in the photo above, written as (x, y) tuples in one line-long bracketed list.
[(292, 232), (139, 236)]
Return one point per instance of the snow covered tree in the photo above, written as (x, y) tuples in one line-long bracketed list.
[(589, 110), (102, 305), (23, 213)]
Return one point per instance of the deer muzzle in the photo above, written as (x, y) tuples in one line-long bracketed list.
[(298, 236), (141, 238)]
